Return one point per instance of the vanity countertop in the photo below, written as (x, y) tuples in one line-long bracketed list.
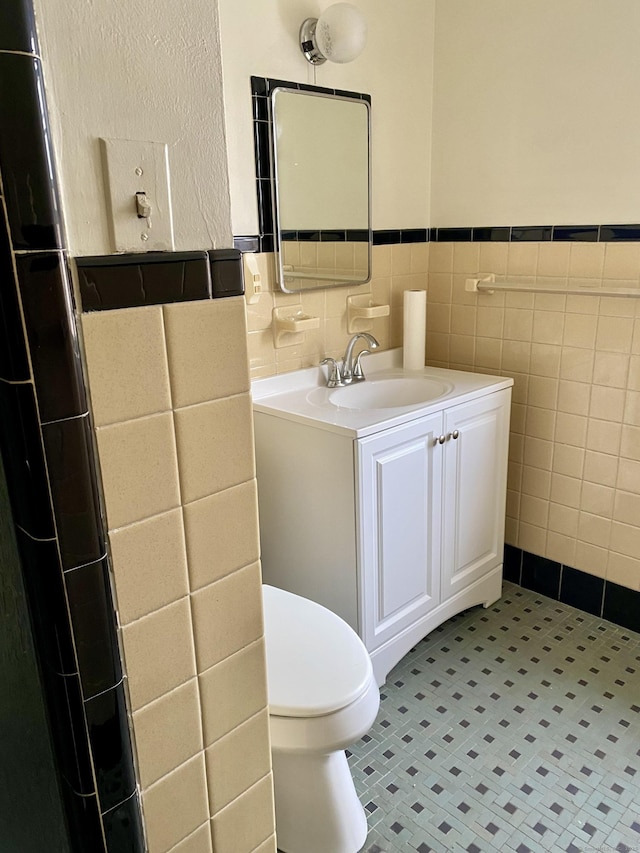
[(302, 395)]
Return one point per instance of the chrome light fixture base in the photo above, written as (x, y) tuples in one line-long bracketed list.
[(308, 42)]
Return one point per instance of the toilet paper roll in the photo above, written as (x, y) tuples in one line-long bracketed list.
[(414, 329)]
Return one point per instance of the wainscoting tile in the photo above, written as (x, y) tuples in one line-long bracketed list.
[(127, 363), (139, 468), (228, 776), (206, 345), (149, 564), (215, 446), (227, 616), (152, 674), (247, 823), (176, 805), (232, 691), (168, 732), (198, 842), (222, 533)]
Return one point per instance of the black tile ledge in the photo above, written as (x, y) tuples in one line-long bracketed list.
[(134, 279), (226, 273)]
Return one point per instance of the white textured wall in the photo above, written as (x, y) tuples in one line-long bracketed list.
[(536, 116), (260, 37), (137, 70)]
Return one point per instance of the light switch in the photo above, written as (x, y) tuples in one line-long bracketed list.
[(137, 184)]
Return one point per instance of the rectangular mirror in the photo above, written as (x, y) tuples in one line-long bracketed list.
[(321, 189)]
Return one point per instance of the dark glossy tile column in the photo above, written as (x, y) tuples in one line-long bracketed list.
[(46, 441)]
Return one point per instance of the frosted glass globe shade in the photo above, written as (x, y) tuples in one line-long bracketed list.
[(341, 32)]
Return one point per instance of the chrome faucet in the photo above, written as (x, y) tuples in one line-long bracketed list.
[(348, 371)]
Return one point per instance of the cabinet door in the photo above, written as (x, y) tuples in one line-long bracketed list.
[(399, 518), (475, 477)]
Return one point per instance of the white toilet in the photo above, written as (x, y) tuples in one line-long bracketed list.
[(322, 697)]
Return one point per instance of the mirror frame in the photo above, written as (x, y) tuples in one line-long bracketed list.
[(281, 274)]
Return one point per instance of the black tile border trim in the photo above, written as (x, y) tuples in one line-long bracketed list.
[(388, 237), (133, 279), (537, 233), (491, 234), (360, 235), (602, 598)]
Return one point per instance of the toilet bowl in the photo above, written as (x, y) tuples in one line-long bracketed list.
[(322, 697)]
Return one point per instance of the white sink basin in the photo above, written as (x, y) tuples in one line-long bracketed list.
[(390, 393)]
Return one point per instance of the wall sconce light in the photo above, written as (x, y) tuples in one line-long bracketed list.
[(339, 34)]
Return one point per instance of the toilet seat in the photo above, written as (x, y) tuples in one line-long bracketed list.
[(316, 663)]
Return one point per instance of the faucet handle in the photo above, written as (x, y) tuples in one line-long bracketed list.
[(358, 374), (335, 379)]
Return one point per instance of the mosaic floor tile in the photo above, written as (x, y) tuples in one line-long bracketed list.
[(514, 728)]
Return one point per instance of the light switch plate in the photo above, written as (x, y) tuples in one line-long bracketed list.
[(134, 166)]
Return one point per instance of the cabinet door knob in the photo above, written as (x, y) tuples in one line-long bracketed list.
[(455, 433), (441, 439)]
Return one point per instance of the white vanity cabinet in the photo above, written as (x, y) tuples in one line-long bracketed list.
[(430, 514), (395, 530)]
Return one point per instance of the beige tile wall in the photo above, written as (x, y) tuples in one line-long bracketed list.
[(574, 474), (348, 258), (394, 270), (169, 387)]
